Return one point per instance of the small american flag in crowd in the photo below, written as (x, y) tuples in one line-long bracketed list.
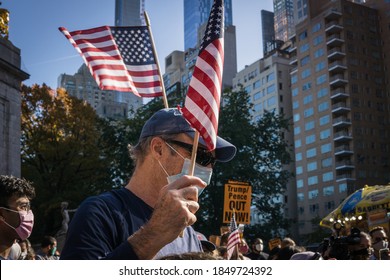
[(204, 93), (234, 237), (119, 58)]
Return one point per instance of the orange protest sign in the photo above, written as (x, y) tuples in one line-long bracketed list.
[(275, 242), (237, 198)]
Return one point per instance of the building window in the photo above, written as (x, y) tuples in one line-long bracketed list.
[(318, 40), (307, 99), (312, 166), (309, 125), (312, 180), (299, 170), (325, 134), (327, 191), (329, 205), (271, 89), (326, 177), (305, 60), (271, 77), (306, 73), (322, 92), (312, 194), (297, 130), (326, 148), (310, 139), (327, 162), (324, 120), (301, 196), (318, 53), (314, 208), (322, 79), (306, 86), (343, 188), (316, 27), (303, 35), (311, 153), (271, 101), (308, 112), (320, 66), (298, 143), (304, 48), (298, 156)]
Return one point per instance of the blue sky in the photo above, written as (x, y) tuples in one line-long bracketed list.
[(46, 53)]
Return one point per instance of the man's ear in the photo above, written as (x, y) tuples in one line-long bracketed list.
[(156, 147)]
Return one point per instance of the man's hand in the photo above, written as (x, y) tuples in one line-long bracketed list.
[(174, 211)]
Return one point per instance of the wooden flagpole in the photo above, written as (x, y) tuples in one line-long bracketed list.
[(165, 100), (191, 168)]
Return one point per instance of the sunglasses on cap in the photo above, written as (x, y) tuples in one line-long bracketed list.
[(203, 156)]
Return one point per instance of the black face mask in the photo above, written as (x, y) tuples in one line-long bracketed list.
[(361, 254)]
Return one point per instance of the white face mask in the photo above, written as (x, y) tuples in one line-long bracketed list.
[(259, 247), (380, 245), (200, 171)]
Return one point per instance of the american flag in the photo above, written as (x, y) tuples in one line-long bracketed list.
[(203, 97), (234, 237), (119, 58)]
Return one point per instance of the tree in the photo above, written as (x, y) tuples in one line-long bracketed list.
[(261, 154), (62, 152)]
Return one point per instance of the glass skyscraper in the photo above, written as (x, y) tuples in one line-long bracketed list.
[(129, 12), (196, 12)]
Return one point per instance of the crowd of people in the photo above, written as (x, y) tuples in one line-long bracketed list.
[(152, 216)]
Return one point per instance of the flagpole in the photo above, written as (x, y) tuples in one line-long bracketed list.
[(191, 168), (165, 100)]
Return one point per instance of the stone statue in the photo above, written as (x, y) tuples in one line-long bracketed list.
[(61, 234), (65, 218)]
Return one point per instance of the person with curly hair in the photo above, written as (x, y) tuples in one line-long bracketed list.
[(16, 217)]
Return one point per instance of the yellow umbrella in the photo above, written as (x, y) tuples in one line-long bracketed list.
[(359, 203)]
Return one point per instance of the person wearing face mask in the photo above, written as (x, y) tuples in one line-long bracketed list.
[(16, 217), (48, 250), (362, 250), (380, 244), (257, 250), (151, 216)]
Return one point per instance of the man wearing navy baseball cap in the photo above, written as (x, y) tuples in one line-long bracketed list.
[(144, 219)]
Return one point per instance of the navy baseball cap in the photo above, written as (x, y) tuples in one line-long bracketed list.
[(172, 121)]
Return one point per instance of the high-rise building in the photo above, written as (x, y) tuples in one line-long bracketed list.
[(83, 86), (284, 24), (196, 13), (300, 10), (267, 31), (129, 12), (340, 100), (267, 82)]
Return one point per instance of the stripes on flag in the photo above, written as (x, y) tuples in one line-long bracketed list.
[(204, 92), (119, 58), (234, 237)]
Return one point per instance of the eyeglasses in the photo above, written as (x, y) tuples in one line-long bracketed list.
[(203, 156), (378, 239), (23, 206)]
